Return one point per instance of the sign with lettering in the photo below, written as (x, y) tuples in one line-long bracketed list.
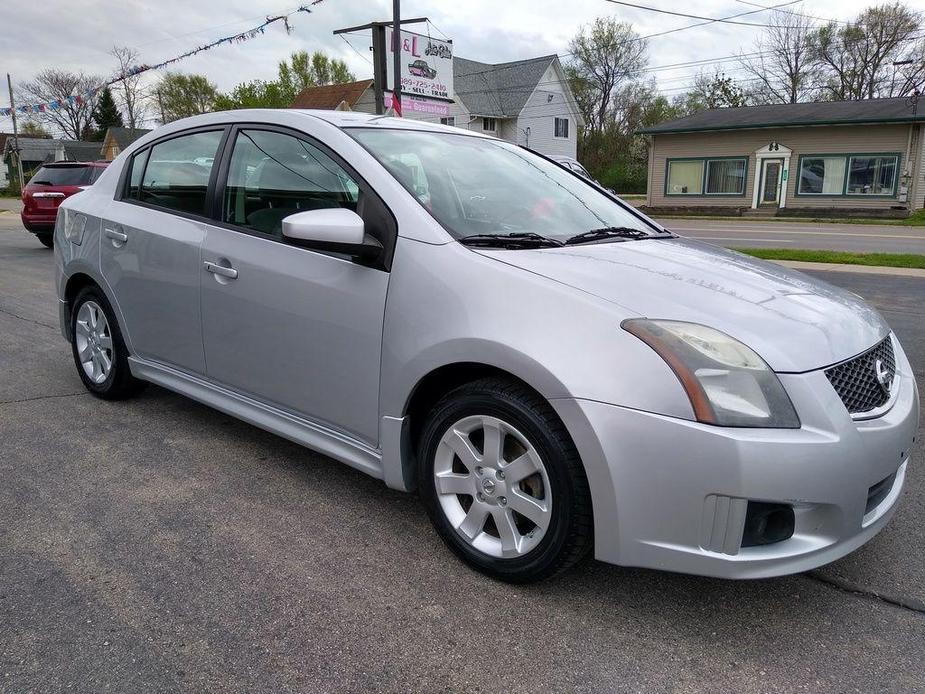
[(426, 66)]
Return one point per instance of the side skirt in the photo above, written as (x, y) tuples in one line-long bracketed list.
[(337, 445)]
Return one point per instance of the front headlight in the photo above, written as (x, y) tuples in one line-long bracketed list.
[(728, 384)]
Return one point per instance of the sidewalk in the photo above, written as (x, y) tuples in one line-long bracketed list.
[(9, 205), (860, 269)]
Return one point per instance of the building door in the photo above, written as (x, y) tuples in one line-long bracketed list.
[(770, 181)]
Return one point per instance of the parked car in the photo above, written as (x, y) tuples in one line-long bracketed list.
[(48, 187), (574, 165), (555, 373), (420, 68)]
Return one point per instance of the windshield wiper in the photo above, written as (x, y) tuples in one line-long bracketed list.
[(628, 233), (520, 239)]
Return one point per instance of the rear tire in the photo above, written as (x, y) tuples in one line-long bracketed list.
[(46, 239), (99, 351), (520, 515)]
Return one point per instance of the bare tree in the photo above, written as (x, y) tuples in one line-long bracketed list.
[(73, 116), (859, 56), (606, 54), (128, 88), (784, 66)]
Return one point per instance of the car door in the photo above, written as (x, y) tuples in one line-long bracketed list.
[(149, 252), (293, 327)]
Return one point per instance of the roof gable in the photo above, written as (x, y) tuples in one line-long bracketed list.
[(778, 115), (122, 136), (499, 90)]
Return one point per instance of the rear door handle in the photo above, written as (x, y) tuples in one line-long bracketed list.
[(217, 269), (116, 235)]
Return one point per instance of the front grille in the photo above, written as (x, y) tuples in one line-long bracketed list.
[(857, 381)]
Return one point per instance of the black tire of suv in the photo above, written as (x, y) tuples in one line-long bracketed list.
[(120, 383), (46, 239), (570, 535)]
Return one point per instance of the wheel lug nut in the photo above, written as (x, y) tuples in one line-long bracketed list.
[(480, 496), (500, 474), (502, 500), (479, 470)]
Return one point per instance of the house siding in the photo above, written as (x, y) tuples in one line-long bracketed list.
[(802, 140), (539, 114)]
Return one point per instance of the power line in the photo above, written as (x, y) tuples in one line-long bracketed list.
[(709, 20), (797, 14)]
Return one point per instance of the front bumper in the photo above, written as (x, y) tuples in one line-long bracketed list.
[(671, 494)]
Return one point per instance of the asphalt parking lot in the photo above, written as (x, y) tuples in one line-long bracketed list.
[(158, 545)]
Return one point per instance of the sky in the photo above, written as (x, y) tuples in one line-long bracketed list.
[(77, 35)]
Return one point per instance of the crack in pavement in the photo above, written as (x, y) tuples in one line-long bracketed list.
[(28, 320), (909, 604), (43, 397)]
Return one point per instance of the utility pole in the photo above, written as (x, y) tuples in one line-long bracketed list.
[(380, 53), (9, 84), (396, 47)]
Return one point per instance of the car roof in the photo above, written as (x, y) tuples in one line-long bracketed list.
[(65, 164)]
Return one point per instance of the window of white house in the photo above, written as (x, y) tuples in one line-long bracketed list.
[(449, 120), (561, 127), (871, 175), (843, 174), (489, 125), (725, 177), (684, 177)]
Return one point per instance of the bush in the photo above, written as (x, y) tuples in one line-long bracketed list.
[(623, 179)]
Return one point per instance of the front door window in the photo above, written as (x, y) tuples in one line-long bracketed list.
[(770, 182)]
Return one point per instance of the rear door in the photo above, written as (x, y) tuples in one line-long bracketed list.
[(297, 328), (150, 246)]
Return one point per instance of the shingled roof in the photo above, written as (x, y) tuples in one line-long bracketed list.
[(125, 136), (499, 90), (329, 96), (782, 115)]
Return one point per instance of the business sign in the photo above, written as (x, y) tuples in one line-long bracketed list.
[(426, 66), (414, 104)]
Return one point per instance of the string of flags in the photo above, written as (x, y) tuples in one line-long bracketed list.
[(77, 99)]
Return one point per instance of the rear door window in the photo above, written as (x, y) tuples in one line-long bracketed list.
[(178, 171), (62, 176)]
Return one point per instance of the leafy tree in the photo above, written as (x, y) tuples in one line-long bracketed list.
[(32, 129), (606, 55), (711, 91), (180, 96), (106, 114), (858, 57), (72, 118), (299, 72)]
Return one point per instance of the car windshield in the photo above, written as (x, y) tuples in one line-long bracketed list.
[(478, 186), (63, 176)]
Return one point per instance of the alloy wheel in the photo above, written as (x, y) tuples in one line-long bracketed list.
[(492, 486), (94, 342)]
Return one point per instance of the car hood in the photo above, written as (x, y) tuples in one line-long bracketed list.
[(795, 322)]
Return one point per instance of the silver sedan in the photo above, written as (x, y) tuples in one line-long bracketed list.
[(555, 374)]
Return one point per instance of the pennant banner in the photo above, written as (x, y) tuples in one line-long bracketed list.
[(138, 69)]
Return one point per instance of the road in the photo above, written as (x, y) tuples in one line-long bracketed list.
[(156, 545), (747, 233)]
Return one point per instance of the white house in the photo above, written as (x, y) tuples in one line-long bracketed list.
[(527, 102)]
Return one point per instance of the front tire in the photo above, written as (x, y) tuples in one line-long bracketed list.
[(503, 483), (98, 348)]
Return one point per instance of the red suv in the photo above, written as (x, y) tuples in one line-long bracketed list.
[(51, 184)]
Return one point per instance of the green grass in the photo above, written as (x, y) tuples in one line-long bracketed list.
[(915, 220), (907, 260)]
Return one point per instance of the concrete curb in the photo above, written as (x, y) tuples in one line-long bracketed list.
[(859, 269)]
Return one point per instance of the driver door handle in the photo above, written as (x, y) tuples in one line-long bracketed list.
[(217, 269)]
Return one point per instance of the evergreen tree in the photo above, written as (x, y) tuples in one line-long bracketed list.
[(106, 115)]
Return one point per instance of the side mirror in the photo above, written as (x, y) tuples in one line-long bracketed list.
[(335, 229)]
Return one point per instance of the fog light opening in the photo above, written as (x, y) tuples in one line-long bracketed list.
[(767, 523)]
